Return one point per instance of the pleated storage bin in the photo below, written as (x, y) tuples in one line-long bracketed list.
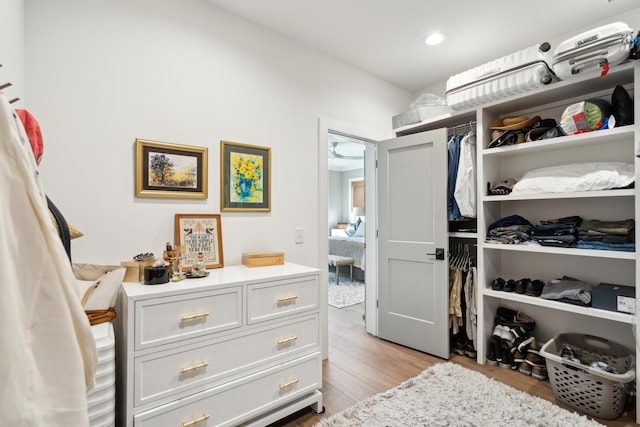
[(102, 398), (585, 388)]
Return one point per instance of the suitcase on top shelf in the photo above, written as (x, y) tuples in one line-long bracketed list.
[(593, 51), (518, 72)]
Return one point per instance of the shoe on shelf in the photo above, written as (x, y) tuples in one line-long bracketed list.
[(534, 288), (523, 345), (539, 373), (506, 351), (522, 284), (498, 284), (509, 286), (513, 318), (504, 333), (537, 362), (520, 356), (516, 335), (524, 368), (493, 351)]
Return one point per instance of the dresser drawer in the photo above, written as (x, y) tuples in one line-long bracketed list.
[(241, 400), (271, 300), (164, 320), (179, 371)]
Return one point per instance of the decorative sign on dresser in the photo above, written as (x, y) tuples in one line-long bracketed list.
[(240, 346)]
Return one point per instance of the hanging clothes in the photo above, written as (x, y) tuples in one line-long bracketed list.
[(47, 347), (462, 298), (465, 187), (471, 298), (453, 157), (455, 301)]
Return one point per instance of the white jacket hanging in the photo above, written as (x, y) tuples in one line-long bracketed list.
[(465, 192)]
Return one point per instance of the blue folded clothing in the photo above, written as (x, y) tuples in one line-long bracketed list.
[(624, 247), (509, 221)]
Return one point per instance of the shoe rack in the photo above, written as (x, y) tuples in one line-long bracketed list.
[(543, 262)]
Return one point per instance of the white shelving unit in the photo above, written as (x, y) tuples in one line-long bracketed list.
[(543, 262)]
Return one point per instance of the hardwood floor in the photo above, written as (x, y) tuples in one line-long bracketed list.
[(361, 365)]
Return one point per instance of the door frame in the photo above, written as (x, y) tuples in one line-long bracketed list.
[(370, 136)]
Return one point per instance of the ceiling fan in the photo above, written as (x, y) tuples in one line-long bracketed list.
[(334, 154)]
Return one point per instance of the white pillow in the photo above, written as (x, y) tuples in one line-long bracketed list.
[(105, 290), (576, 177), (360, 231)]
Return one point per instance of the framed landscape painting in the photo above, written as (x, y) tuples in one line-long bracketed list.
[(170, 170), (245, 177)]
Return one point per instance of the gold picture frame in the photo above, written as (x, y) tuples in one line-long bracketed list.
[(170, 170), (245, 177), (199, 234)]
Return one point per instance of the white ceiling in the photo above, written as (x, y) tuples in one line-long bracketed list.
[(385, 37), (345, 146)]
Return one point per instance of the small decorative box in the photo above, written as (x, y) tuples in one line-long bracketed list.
[(262, 259)]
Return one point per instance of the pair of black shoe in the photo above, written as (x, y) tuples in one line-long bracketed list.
[(512, 329), (503, 344), (523, 286)]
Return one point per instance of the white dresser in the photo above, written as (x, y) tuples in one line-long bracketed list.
[(240, 347)]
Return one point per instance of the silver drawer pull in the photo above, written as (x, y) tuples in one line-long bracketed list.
[(289, 384), (194, 367), (193, 316), (205, 417), (290, 298), (286, 340)]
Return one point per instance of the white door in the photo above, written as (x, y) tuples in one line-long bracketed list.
[(413, 290)]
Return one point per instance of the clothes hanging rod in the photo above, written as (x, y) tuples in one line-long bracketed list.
[(462, 125)]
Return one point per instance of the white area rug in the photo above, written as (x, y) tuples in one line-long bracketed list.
[(346, 293), (449, 395)]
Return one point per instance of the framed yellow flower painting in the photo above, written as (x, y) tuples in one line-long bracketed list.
[(245, 177)]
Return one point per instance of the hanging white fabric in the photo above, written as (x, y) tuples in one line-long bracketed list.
[(47, 350), (465, 192)]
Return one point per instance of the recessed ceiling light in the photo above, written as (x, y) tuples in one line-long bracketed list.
[(434, 39)]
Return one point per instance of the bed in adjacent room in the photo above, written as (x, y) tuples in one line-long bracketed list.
[(352, 247)]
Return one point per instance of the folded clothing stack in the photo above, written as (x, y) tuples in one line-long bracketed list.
[(560, 232), (607, 235), (569, 290), (512, 229)]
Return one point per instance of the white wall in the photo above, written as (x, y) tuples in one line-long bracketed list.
[(336, 200), (101, 74), (12, 49)]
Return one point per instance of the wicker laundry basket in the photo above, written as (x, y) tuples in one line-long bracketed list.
[(590, 390)]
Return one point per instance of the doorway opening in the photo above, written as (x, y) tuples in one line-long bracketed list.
[(346, 216), (368, 138)]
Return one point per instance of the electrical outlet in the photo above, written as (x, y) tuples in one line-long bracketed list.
[(299, 235)]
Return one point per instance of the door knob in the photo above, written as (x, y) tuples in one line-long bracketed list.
[(439, 253)]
